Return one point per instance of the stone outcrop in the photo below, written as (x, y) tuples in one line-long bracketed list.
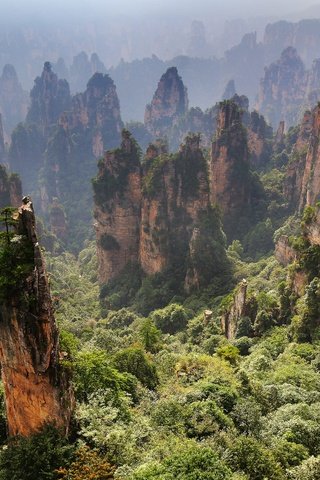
[(37, 389), (169, 103), (97, 110), (2, 145), (117, 195), (310, 183), (284, 252), (283, 89), (175, 190), (259, 141), (50, 97), (295, 181), (151, 214), (13, 99), (231, 185), (10, 189), (238, 308)]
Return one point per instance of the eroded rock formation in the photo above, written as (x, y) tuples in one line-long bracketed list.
[(50, 97), (231, 184), (10, 189), (117, 194), (169, 103), (37, 389), (13, 99), (237, 309), (283, 89), (150, 214)]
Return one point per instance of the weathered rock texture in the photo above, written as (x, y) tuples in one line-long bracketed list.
[(169, 103), (294, 183), (284, 252), (238, 308), (13, 99), (310, 185), (37, 390), (50, 97), (117, 197), (159, 214), (231, 184), (283, 89), (2, 146), (10, 189), (97, 110)]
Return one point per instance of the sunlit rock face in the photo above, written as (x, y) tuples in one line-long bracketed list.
[(37, 389)]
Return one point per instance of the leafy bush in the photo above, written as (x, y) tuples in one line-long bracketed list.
[(193, 463), (170, 319), (94, 371), (35, 457), (134, 361)]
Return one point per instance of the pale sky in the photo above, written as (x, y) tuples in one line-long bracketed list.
[(29, 9)]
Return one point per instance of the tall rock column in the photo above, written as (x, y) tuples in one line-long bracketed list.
[(231, 184), (117, 196), (37, 389)]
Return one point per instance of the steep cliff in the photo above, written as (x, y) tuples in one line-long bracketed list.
[(175, 192), (92, 125), (232, 187), (310, 183), (283, 89), (169, 102), (10, 189), (37, 390), (13, 99), (236, 307), (2, 145), (295, 185), (50, 97), (158, 215), (117, 196)]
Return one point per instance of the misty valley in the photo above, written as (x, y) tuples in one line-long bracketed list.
[(160, 244)]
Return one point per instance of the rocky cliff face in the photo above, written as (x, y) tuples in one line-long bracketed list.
[(10, 189), (239, 306), (310, 183), (97, 112), (231, 185), (2, 146), (295, 185), (50, 97), (283, 89), (13, 99), (117, 195), (37, 390), (169, 103), (175, 192), (152, 214), (92, 125)]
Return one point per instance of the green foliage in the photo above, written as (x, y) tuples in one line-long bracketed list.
[(205, 418), (193, 463), (121, 318), (171, 319), (229, 353), (250, 456), (309, 214), (308, 470), (133, 360), (94, 371), (16, 258), (35, 457), (150, 336)]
